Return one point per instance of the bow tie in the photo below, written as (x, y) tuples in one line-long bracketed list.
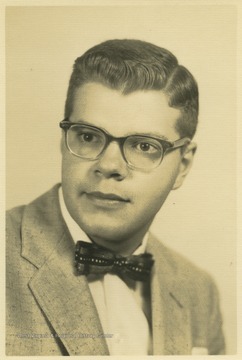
[(94, 259)]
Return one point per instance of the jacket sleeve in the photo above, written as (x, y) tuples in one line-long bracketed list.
[(13, 279), (206, 318), (216, 342)]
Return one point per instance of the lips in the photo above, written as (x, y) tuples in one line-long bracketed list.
[(106, 196)]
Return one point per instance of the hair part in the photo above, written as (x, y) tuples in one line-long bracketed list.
[(131, 65)]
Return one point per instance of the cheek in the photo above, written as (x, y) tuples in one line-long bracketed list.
[(75, 175), (152, 198), (67, 169), (71, 172), (154, 189)]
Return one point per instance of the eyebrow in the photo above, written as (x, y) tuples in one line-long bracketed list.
[(152, 135)]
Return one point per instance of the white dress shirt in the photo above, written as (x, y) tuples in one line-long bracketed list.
[(123, 309)]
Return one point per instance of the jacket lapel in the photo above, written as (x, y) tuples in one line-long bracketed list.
[(170, 315), (64, 297)]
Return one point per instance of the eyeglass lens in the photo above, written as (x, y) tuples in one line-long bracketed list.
[(139, 151)]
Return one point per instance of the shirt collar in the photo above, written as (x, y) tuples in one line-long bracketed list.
[(77, 233)]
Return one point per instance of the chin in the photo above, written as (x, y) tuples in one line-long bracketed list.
[(107, 232)]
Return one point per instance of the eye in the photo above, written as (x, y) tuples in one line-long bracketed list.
[(146, 147), (87, 137)]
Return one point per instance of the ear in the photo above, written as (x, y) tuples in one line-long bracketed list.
[(185, 164)]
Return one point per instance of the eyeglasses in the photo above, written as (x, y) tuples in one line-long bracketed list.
[(139, 151)]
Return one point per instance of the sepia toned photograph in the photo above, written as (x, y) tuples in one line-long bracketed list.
[(121, 179)]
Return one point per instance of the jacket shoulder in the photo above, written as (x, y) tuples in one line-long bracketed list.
[(177, 262), (195, 282), (13, 224), (37, 214)]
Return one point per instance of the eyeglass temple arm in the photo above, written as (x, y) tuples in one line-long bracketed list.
[(181, 142), (65, 124)]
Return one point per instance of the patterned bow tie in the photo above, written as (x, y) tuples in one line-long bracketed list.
[(93, 259)]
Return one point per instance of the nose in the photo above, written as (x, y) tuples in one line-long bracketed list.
[(111, 164)]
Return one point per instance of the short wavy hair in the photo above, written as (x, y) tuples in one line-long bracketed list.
[(131, 65)]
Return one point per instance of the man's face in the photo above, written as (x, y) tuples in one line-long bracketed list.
[(138, 195)]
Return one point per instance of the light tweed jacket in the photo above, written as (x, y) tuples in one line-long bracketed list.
[(49, 309)]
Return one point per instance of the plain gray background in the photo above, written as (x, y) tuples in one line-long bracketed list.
[(198, 220)]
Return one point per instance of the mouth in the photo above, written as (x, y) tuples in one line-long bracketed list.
[(103, 196), (105, 199)]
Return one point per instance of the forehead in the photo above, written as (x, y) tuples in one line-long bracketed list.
[(123, 114)]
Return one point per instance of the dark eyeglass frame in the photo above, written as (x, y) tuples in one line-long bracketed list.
[(167, 145)]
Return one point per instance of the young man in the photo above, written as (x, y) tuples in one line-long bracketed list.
[(131, 113)]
